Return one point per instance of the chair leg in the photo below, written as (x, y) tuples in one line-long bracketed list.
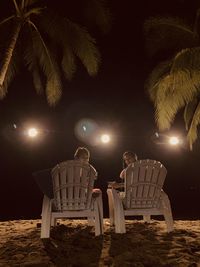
[(90, 221), (119, 217), (53, 221), (169, 221), (97, 219), (167, 212), (119, 221), (100, 207), (111, 207), (147, 218), (46, 217)]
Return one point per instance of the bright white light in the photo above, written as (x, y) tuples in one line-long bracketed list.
[(32, 132), (105, 138), (174, 141)]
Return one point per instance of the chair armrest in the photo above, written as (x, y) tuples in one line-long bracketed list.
[(115, 185), (117, 210), (114, 195), (96, 192), (97, 200)]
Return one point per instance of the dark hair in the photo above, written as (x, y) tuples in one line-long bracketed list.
[(131, 154), (81, 151)]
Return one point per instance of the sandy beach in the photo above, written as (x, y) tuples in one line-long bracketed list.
[(73, 243)]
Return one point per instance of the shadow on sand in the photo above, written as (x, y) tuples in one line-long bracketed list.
[(74, 245), (71, 246), (148, 245)]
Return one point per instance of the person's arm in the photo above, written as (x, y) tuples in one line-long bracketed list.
[(122, 174), (115, 185)]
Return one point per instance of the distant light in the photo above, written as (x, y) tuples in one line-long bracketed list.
[(174, 140), (105, 138), (157, 134), (84, 128), (15, 126), (32, 132)]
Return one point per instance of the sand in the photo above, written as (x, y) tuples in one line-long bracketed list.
[(73, 243)]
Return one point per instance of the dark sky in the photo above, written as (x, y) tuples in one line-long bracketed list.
[(115, 99)]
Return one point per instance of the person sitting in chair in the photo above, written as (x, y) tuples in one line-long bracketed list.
[(83, 154), (128, 158)]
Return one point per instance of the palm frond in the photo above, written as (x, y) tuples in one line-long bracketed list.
[(84, 46), (9, 52), (37, 81), (16, 7), (187, 62), (97, 11), (32, 64), (6, 20), (169, 100), (48, 65), (192, 133), (168, 34), (54, 26), (189, 111), (74, 40), (184, 75), (11, 73), (173, 92), (177, 88), (68, 63), (34, 11), (22, 4), (158, 73), (167, 103), (53, 90), (187, 59)]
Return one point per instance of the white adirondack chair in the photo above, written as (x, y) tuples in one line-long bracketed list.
[(72, 186), (143, 195)]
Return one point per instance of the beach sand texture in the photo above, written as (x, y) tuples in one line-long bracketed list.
[(73, 243)]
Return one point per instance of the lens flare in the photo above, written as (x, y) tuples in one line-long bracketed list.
[(105, 138), (85, 130), (32, 132), (174, 141)]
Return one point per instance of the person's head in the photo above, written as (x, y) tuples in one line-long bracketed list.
[(82, 154), (128, 158)]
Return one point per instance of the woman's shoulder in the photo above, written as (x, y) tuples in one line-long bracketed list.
[(122, 174)]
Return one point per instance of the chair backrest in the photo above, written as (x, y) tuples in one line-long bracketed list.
[(73, 182), (144, 180)]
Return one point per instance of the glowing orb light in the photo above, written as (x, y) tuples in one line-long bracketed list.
[(174, 141), (32, 132), (105, 138)]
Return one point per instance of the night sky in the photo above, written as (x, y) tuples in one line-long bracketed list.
[(115, 99)]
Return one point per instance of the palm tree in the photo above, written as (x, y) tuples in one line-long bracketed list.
[(46, 43), (175, 82)]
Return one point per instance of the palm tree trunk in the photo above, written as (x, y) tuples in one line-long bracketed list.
[(9, 53)]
